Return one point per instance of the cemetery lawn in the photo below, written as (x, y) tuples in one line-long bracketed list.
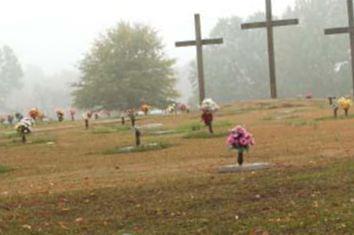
[(64, 184)]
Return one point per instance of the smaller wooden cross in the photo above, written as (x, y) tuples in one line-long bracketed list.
[(199, 42), (348, 30)]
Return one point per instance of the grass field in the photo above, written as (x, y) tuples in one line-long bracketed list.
[(67, 180)]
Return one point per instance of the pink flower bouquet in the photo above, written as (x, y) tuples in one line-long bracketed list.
[(240, 139)]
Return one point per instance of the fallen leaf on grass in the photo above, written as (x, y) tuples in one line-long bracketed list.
[(79, 220), (26, 226), (315, 204), (258, 231), (62, 225), (65, 209)]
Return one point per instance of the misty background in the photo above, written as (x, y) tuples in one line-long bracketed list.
[(50, 38)]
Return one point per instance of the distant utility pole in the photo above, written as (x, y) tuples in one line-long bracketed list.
[(199, 42), (269, 24), (349, 30)]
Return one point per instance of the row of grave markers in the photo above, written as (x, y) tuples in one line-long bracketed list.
[(199, 42)]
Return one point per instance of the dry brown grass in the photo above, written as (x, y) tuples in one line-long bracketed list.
[(288, 134)]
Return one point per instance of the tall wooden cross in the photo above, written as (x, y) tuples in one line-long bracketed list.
[(199, 42), (349, 30), (269, 24)]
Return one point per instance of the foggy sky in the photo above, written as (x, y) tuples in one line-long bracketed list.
[(55, 34)]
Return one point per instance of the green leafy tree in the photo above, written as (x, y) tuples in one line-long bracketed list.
[(10, 72), (125, 66)]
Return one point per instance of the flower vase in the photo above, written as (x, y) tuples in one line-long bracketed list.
[(335, 112), (86, 124), (210, 126), (240, 158)]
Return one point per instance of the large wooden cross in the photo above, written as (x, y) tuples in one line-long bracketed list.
[(349, 30), (199, 42), (269, 24)]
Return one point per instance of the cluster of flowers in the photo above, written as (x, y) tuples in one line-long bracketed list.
[(145, 108), (183, 107), (209, 105), (174, 107), (171, 108), (87, 115), (24, 126), (59, 111), (36, 114), (345, 103), (240, 139), (60, 114)]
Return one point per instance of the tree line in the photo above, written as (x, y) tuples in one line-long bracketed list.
[(127, 64)]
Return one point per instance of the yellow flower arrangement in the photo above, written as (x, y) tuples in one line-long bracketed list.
[(345, 103)]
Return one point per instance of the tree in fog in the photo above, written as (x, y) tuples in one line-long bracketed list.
[(10, 72), (126, 65), (308, 59), (42, 90)]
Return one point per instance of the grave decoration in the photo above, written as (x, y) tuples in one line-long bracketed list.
[(60, 115), (345, 104), (241, 140), (145, 108), (334, 105), (171, 108), (18, 116), (183, 108), (10, 119), (72, 113), (87, 116), (131, 114), (36, 114), (137, 136), (309, 96), (24, 128), (33, 113), (208, 107), (122, 118)]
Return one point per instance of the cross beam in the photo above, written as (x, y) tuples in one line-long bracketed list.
[(269, 24), (348, 30), (199, 43)]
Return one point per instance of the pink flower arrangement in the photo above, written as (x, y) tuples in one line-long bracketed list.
[(72, 111), (240, 139)]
